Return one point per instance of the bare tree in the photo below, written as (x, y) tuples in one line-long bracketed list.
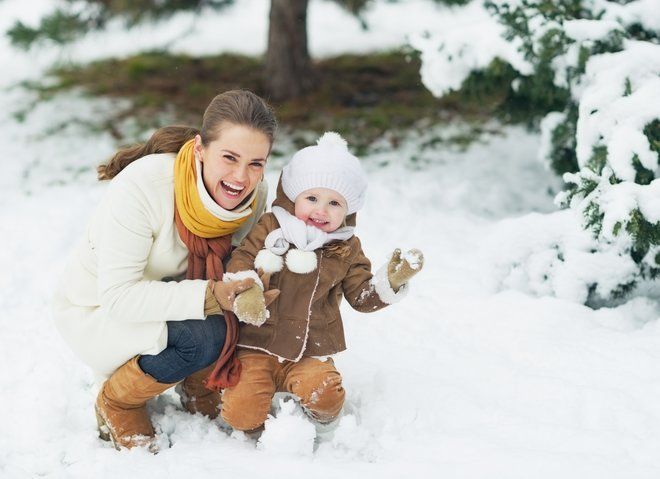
[(288, 65)]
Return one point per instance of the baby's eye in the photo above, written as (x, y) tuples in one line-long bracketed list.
[(335, 203), (311, 198)]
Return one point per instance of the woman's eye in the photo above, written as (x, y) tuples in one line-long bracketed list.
[(230, 158), (256, 164)]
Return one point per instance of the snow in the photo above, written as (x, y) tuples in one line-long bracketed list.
[(618, 98), (469, 39), (278, 438), (239, 28), (548, 124), (582, 29), (485, 369), (550, 255), (644, 12), (609, 117), (414, 258), (648, 202)]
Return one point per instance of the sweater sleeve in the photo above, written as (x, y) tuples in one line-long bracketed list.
[(124, 245)]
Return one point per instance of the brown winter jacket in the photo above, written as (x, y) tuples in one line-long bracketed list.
[(305, 318)]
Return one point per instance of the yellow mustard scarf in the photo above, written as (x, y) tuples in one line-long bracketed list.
[(192, 211)]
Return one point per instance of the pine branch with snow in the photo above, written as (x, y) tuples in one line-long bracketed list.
[(594, 66), (609, 128)]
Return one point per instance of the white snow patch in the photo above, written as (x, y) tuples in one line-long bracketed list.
[(290, 433), (582, 29), (513, 384), (551, 255), (414, 258), (468, 39), (550, 121), (610, 118)]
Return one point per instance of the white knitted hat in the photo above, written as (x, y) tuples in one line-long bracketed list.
[(330, 165)]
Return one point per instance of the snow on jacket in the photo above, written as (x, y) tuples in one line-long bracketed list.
[(305, 318), (119, 287)]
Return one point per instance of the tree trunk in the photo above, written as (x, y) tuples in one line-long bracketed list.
[(288, 66)]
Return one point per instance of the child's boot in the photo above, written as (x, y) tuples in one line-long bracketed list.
[(196, 398)]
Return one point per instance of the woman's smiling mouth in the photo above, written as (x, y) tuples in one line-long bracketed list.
[(232, 189)]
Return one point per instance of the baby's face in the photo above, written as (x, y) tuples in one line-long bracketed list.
[(322, 208)]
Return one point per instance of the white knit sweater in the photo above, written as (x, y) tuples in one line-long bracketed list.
[(115, 297)]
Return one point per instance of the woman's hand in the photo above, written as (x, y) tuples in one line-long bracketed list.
[(400, 270), (225, 292)]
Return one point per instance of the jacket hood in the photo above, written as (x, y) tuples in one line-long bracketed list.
[(282, 201)]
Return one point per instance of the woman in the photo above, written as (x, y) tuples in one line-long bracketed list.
[(124, 306)]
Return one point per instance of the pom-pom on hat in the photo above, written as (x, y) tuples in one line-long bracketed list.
[(328, 164)]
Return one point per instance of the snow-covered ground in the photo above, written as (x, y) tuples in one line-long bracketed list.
[(464, 379)]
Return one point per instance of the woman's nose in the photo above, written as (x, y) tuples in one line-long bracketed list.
[(241, 173)]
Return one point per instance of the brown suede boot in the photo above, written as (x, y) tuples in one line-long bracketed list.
[(121, 407), (195, 398)]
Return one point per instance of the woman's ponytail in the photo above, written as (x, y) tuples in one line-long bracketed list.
[(168, 139)]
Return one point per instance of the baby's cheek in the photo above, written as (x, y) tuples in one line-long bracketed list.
[(300, 212)]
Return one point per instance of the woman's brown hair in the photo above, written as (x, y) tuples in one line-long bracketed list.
[(239, 107)]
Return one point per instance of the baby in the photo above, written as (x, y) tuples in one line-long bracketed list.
[(308, 251)]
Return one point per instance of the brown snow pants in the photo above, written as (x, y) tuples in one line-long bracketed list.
[(316, 383)]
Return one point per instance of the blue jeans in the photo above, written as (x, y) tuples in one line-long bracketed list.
[(191, 345)]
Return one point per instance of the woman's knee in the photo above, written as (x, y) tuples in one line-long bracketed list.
[(214, 332), (199, 341)]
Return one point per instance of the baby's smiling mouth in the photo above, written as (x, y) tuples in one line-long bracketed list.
[(315, 222)]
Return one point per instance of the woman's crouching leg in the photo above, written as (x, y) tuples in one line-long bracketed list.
[(318, 385), (245, 407)]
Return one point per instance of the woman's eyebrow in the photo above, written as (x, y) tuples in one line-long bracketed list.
[(232, 153), (239, 156)]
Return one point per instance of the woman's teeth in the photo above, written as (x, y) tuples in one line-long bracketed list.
[(231, 188)]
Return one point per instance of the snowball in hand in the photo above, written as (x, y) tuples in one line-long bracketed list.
[(401, 269)]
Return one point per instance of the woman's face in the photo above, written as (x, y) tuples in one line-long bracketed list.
[(233, 164)]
